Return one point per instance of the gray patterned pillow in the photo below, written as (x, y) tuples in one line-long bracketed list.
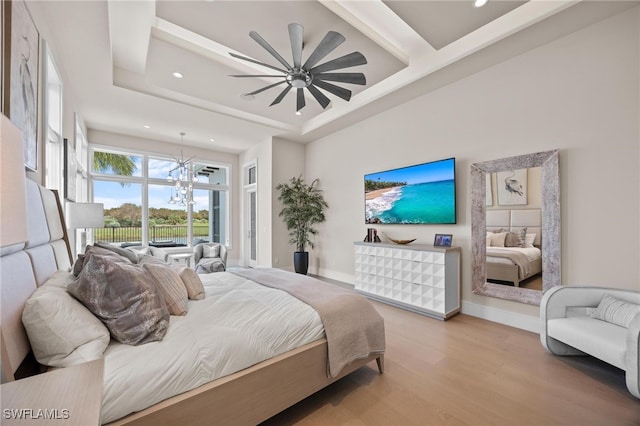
[(133, 257), (83, 258), (615, 311), (124, 297), (516, 239)]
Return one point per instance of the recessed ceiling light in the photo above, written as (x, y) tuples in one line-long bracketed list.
[(298, 113), (146, 126), (178, 74), (212, 140), (480, 3)]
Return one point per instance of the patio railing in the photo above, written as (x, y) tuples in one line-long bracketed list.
[(160, 233)]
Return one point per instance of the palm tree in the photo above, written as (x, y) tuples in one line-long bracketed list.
[(122, 165)]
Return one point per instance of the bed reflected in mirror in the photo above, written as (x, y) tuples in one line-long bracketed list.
[(516, 227)]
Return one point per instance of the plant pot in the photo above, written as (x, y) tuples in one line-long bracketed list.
[(301, 262)]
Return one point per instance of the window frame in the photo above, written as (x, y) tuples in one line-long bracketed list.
[(145, 181)]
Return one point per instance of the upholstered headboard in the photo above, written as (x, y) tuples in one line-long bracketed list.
[(25, 266), (514, 220)]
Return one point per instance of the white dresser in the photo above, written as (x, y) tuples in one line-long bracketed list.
[(421, 278)]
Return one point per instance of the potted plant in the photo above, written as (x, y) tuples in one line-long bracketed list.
[(303, 207)]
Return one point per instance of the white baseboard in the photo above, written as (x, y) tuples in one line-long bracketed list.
[(512, 319)]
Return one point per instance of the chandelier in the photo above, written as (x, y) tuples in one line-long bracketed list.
[(183, 181)]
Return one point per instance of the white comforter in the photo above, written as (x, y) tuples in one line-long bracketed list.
[(238, 324)]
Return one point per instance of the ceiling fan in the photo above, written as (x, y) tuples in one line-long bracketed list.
[(309, 75)]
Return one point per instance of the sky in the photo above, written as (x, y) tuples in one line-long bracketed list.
[(420, 173)]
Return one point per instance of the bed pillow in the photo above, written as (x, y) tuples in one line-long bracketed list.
[(615, 311), (211, 251), (497, 239), (147, 259), (124, 297), (516, 239), (139, 252), (129, 254), (192, 282), (61, 330), (488, 239), (82, 258), (171, 286), (529, 239), (77, 266)]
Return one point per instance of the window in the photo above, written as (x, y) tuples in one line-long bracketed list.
[(140, 180), (82, 158), (53, 123)]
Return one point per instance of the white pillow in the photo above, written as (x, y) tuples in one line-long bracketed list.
[(497, 239), (529, 239), (61, 330), (489, 234), (140, 252), (211, 251), (616, 311)]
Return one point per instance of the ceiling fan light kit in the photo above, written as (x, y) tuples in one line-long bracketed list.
[(309, 76)]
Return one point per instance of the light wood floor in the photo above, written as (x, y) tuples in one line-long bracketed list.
[(468, 371)]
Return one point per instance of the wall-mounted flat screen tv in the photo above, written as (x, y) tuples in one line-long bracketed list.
[(420, 194)]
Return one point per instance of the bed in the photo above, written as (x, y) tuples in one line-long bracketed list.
[(518, 261), (285, 376)]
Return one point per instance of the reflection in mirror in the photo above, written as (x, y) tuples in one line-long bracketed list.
[(516, 203)]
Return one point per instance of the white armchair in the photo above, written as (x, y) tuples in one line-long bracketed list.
[(567, 328), (206, 264)]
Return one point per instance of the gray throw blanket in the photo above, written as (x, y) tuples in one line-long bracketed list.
[(354, 329)]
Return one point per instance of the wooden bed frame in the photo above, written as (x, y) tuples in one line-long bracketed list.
[(514, 220), (249, 396)]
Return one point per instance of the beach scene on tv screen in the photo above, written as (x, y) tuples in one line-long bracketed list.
[(424, 193)]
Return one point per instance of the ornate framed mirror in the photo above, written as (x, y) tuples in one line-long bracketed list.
[(549, 241)]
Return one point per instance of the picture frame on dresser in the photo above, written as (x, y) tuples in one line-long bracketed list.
[(442, 240)]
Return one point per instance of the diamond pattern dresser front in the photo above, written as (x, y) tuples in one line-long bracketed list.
[(421, 278)]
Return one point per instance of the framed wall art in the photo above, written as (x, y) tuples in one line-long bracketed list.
[(20, 91)]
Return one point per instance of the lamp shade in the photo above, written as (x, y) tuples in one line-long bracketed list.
[(13, 198), (85, 215)]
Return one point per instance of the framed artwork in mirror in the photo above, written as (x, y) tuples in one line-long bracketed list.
[(21, 48), (512, 187)]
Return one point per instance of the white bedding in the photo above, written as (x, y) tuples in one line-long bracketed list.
[(519, 256), (532, 253), (238, 324)]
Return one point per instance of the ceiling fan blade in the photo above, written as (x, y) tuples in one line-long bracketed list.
[(262, 42), (256, 75), (346, 61), (326, 46), (343, 77), (266, 88), (296, 32), (281, 96), (244, 58), (320, 97), (300, 99), (332, 88)]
